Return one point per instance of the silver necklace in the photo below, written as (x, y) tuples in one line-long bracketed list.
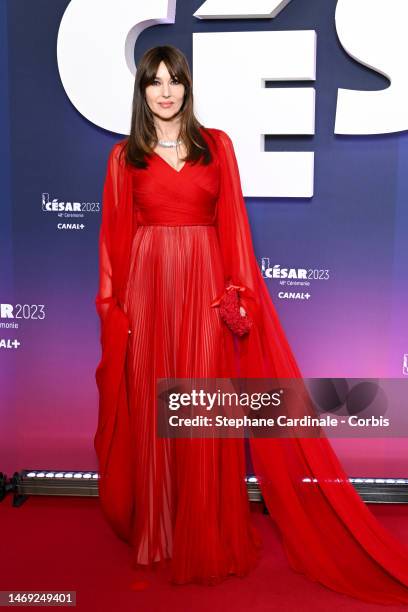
[(169, 143)]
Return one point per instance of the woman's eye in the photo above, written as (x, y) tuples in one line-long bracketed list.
[(176, 81)]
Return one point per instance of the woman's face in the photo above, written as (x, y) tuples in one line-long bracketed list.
[(165, 95)]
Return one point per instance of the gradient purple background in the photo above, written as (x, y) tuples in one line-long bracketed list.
[(354, 325)]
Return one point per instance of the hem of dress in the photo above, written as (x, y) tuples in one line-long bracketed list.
[(220, 578), (167, 564)]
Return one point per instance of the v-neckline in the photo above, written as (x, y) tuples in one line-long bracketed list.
[(169, 165)]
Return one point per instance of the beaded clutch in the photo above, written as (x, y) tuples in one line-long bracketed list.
[(229, 305)]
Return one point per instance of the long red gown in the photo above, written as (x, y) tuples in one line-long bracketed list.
[(170, 241)]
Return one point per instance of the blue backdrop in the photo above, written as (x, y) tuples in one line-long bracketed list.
[(355, 226)]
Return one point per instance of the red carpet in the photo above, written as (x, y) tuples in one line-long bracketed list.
[(65, 544)]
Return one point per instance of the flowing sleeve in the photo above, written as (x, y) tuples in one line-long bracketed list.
[(112, 189), (303, 484), (234, 237), (241, 269), (112, 438), (265, 350), (232, 220)]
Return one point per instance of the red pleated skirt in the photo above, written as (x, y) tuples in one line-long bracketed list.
[(191, 504)]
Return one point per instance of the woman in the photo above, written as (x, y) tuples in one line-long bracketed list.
[(181, 296)]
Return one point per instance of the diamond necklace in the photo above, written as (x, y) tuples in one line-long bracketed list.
[(169, 143)]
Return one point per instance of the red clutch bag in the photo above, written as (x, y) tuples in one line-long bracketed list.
[(229, 305)]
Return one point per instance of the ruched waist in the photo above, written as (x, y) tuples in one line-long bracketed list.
[(178, 214)]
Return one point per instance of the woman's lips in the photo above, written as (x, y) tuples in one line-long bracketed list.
[(166, 104)]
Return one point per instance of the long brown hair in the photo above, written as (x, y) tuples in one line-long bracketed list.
[(142, 131)]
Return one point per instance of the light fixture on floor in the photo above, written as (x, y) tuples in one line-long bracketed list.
[(85, 484), (53, 482), (371, 490)]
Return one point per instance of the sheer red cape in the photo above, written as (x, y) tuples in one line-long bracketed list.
[(328, 532)]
